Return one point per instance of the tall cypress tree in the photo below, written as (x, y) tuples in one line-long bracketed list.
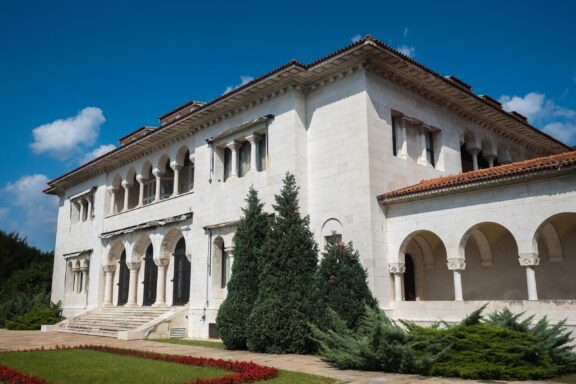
[(285, 306), (341, 284), (243, 285)]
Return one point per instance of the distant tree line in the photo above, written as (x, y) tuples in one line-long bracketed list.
[(25, 283)]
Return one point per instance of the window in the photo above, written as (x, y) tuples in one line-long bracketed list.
[(187, 175), (262, 152), (334, 238), (244, 158), (149, 191), (167, 183), (394, 135), (227, 163), (430, 147)]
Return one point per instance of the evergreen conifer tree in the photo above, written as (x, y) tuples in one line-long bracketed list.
[(341, 283), (243, 285), (285, 306)]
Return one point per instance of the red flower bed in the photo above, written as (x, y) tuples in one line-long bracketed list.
[(245, 372), (12, 376)]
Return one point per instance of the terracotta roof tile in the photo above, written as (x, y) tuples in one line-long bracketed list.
[(548, 163)]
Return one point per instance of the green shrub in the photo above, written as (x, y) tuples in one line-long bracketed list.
[(286, 305), (250, 237), (35, 317), (341, 284), (502, 347)]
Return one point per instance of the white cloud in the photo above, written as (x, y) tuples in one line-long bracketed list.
[(30, 212), (97, 152), (4, 212), (562, 131), (530, 105), (405, 32), (407, 50), (243, 80), (62, 138), (557, 121), (356, 38)]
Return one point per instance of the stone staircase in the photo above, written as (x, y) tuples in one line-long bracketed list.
[(109, 322)]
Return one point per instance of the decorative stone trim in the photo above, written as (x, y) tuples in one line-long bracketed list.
[(109, 268), (133, 265), (528, 259), (397, 268), (456, 264)]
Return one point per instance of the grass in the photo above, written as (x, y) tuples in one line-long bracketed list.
[(75, 366), (79, 366), (194, 343)]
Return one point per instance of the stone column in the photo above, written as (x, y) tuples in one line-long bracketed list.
[(108, 284), (423, 158), (140, 181), (84, 271), (89, 213), (112, 189), (126, 185), (402, 144), (133, 288), (81, 203), (457, 266), (161, 283), (490, 155), (158, 175), (397, 270), (176, 168), (234, 166), (529, 261), (253, 140)]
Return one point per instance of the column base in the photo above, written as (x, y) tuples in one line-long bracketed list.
[(130, 305), (160, 305), (107, 305)]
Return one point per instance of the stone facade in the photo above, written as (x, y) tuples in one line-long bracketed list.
[(153, 222)]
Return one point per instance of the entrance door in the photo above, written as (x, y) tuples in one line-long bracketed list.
[(409, 280), (181, 281), (123, 280), (150, 277)]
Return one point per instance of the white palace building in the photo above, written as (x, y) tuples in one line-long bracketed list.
[(451, 201)]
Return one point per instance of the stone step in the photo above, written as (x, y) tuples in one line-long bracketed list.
[(92, 333), (88, 324), (119, 318)]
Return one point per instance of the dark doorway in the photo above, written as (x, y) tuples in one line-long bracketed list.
[(150, 277), (409, 279), (181, 281), (123, 280)]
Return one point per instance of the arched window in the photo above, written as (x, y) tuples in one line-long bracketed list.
[(187, 175), (409, 279)]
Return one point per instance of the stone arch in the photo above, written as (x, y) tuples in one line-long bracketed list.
[(431, 277), (181, 155), (555, 240), (139, 249), (163, 163), (492, 270), (146, 170), (169, 242), (115, 251), (332, 231)]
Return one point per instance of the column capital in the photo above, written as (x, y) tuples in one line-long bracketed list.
[(126, 184), (133, 266), (109, 268), (528, 259), (456, 264), (157, 173), (161, 262), (140, 179), (175, 166), (233, 145), (253, 138), (397, 268), (192, 157), (113, 188)]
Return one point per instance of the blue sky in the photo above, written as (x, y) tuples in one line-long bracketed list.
[(76, 76)]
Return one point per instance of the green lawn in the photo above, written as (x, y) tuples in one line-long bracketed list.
[(194, 343), (75, 366), (79, 366)]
